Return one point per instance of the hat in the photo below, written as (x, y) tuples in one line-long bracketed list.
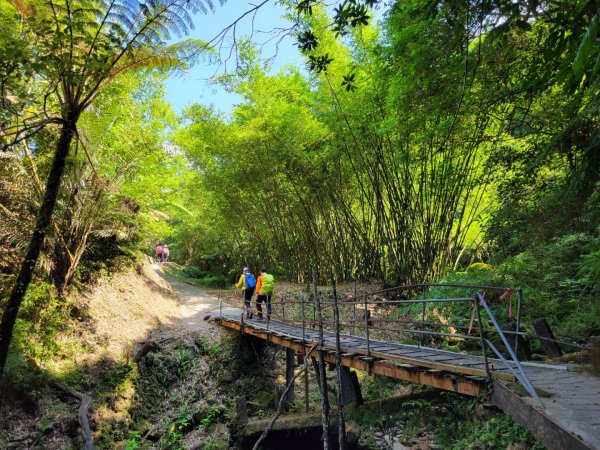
[(246, 269)]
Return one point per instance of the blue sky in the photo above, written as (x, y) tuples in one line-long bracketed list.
[(194, 85)]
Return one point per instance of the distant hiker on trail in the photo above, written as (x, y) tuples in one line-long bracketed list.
[(247, 282), (159, 252), (265, 287), (165, 254)]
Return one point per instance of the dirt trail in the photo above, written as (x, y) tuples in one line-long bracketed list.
[(195, 303)]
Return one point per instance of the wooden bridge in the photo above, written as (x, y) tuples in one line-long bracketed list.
[(559, 406)]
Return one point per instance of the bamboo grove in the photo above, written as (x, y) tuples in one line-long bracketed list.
[(409, 149)]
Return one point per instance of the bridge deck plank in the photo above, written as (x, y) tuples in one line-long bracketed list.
[(395, 352)]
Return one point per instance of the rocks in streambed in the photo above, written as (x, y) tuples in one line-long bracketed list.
[(393, 438)]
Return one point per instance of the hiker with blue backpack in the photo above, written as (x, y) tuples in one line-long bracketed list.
[(265, 287), (248, 283)]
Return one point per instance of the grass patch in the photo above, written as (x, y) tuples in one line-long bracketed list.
[(196, 276)]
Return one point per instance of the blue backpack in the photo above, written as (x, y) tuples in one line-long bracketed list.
[(250, 280)]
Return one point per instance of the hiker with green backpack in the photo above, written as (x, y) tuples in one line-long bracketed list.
[(265, 286)]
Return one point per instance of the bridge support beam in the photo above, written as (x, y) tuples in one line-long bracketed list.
[(350, 387), (549, 345)]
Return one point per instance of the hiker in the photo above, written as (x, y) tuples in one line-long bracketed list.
[(264, 290), (247, 282), (159, 252), (165, 254)]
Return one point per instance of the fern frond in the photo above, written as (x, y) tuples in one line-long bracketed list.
[(587, 44), (177, 57)]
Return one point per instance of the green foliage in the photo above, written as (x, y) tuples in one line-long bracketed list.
[(133, 442), (212, 445), (557, 280), (497, 432), (589, 269), (44, 318), (158, 370), (347, 14), (198, 276), (173, 436), (211, 348), (22, 379), (451, 418), (184, 358), (211, 416), (375, 387), (72, 55)]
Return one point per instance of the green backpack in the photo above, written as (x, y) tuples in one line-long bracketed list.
[(268, 284)]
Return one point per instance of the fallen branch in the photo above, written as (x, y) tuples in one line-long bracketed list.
[(146, 348), (146, 435), (85, 401), (86, 431), (282, 400)]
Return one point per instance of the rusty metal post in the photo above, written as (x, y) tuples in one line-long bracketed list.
[(290, 358), (268, 320), (303, 320), (518, 330), (354, 308), (322, 375), (220, 307), (338, 369), (367, 325), (306, 397), (283, 307), (487, 367), (423, 312)]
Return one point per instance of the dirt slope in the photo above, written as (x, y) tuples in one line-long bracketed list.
[(125, 308), (132, 305)]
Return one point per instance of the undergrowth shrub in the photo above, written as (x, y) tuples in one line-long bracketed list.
[(43, 317), (196, 275), (375, 387), (459, 428), (21, 381), (560, 282)]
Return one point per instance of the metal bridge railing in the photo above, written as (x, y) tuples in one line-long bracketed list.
[(381, 316), (517, 370)]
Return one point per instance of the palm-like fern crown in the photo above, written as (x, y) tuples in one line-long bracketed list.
[(81, 44), (150, 22)]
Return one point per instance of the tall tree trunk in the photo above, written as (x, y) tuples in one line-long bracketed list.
[(44, 216)]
